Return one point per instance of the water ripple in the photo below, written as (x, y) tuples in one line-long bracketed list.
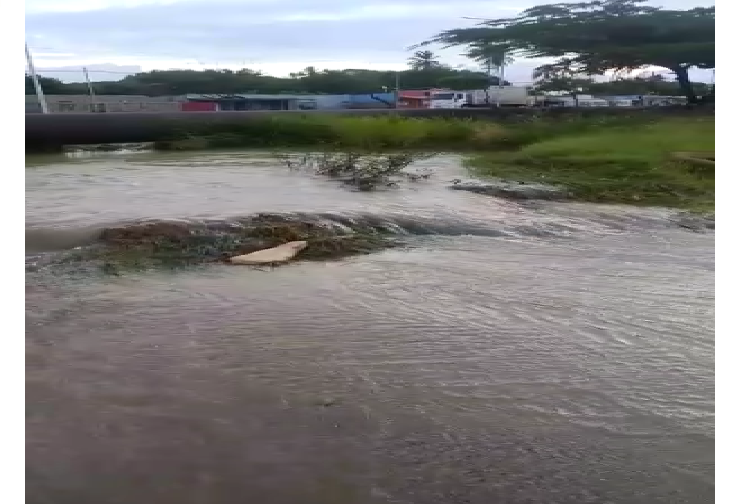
[(555, 354)]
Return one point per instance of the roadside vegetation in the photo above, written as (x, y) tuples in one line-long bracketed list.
[(324, 132), (385, 132)]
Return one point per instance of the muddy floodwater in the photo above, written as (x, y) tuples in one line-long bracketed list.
[(511, 353)]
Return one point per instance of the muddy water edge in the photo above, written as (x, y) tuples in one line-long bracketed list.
[(505, 353)]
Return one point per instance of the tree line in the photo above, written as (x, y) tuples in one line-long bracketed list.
[(584, 39), (308, 81), (177, 82)]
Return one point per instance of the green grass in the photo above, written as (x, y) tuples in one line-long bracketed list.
[(367, 133), (393, 132), (619, 164)]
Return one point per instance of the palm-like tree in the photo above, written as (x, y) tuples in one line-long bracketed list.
[(423, 60), (490, 56)]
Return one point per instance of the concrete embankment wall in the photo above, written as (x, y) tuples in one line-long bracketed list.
[(50, 131)]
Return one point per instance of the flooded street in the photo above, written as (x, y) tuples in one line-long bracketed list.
[(510, 353)]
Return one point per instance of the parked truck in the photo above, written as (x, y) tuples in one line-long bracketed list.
[(493, 96), (578, 100)]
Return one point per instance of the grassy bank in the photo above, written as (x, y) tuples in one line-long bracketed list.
[(367, 133), (389, 132), (662, 163)]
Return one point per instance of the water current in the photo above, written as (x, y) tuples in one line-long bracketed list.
[(509, 353)]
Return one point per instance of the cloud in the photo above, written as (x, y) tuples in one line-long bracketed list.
[(257, 33), (274, 36), (232, 30)]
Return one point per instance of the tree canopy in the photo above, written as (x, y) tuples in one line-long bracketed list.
[(423, 60), (49, 85), (595, 37), (488, 55)]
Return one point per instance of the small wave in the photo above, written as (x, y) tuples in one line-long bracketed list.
[(331, 234), (43, 239)]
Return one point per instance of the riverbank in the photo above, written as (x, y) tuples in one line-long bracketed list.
[(343, 133), (382, 132), (664, 163)]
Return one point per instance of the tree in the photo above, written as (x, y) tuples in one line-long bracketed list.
[(595, 37), (489, 55), (423, 60)]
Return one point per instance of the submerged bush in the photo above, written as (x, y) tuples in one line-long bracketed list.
[(363, 171)]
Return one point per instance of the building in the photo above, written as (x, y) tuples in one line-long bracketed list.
[(208, 102), (369, 100), (224, 102), (105, 103), (247, 101)]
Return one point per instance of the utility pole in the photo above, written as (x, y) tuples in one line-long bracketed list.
[(90, 90), (397, 88), (490, 80), (501, 79), (37, 86)]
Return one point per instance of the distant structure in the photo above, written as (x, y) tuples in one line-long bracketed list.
[(407, 99), (209, 102), (248, 101), (77, 104), (415, 98)]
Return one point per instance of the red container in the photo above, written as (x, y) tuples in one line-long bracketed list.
[(198, 107)]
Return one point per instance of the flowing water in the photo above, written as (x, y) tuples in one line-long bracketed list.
[(509, 353)]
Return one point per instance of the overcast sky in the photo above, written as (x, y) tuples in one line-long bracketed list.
[(276, 37)]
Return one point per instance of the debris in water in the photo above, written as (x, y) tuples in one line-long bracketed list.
[(364, 171), (512, 189), (282, 253)]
